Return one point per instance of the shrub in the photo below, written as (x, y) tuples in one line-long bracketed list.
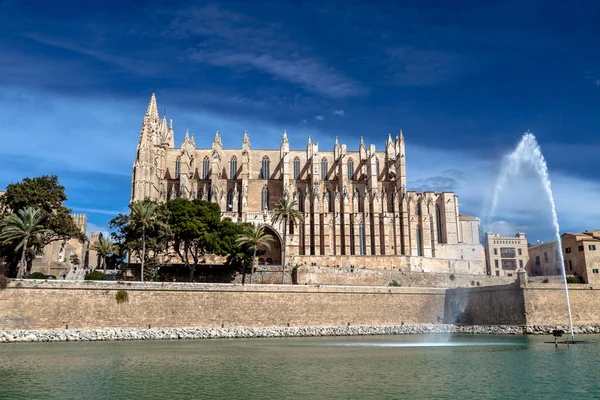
[(394, 283), (451, 277), (36, 275), (3, 282), (122, 296), (572, 279), (95, 276)]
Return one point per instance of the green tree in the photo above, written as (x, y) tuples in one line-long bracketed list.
[(197, 230), (255, 237), (24, 227), (104, 247), (143, 215), (48, 195), (74, 259), (286, 211)]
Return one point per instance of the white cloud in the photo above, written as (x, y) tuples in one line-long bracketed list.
[(339, 113), (96, 228), (319, 117), (304, 121)]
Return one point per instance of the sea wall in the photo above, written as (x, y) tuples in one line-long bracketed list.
[(89, 304), (545, 303)]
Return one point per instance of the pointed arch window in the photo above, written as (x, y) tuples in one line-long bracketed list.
[(205, 168), (291, 227), (177, 168), (324, 169), (361, 239), (233, 168), (331, 200), (265, 169), (296, 168), (351, 169), (438, 219), (377, 168), (264, 198), (418, 209), (419, 243)]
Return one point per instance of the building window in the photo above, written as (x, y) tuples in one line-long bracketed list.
[(291, 227), (509, 264), (495, 251), (568, 250), (520, 252), (361, 239), (545, 256), (580, 247), (265, 170), (418, 209), (592, 247), (496, 263), (177, 168), (296, 168), (350, 169), (419, 240), (570, 266), (324, 169), (264, 199), (230, 200), (520, 263), (205, 168), (594, 271), (537, 260), (507, 252), (438, 217), (377, 168), (233, 168), (497, 273)]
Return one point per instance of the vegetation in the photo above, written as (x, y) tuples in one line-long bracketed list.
[(286, 211), (394, 283), (24, 228), (575, 279), (96, 276), (74, 259), (46, 194), (255, 237), (104, 247), (3, 282), (144, 215), (36, 275), (122, 296)]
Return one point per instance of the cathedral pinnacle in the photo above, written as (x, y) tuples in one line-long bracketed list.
[(217, 139), (337, 143), (152, 111), (284, 139), (389, 141), (187, 135), (401, 135)]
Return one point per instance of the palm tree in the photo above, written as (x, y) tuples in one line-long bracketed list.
[(104, 247), (23, 226), (286, 210), (254, 237), (144, 215)]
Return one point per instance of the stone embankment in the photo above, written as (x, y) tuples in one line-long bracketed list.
[(73, 335)]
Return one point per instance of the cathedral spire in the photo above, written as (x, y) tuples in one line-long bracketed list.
[(284, 138), (187, 135), (152, 111)]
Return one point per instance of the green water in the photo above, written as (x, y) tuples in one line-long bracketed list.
[(380, 367)]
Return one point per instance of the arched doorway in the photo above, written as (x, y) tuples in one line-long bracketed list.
[(273, 255)]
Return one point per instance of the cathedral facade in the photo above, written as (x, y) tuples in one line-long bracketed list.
[(356, 206)]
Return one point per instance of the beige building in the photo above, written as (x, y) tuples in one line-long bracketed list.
[(355, 203), (505, 254), (544, 260), (582, 255)]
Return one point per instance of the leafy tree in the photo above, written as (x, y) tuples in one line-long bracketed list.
[(95, 276), (286, 211), (74, 259), (196, 227), (255, 237), (24, 227), (48, 195), (143, 216), (104, 247)]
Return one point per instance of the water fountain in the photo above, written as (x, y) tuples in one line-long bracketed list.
[(529, 153)]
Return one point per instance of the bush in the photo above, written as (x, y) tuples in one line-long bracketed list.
[(122, 296), (572, 279), (95, 276), (394, 283), (3, 282), (36, 275)]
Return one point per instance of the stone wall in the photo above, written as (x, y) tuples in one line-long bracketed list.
[(546, 304), (81, 305)]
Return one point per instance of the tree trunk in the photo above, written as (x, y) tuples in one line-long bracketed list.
[(143, 252), (244, 268), (253, 260), (104, 264), (192, 269), (22, 266), (285, 222)]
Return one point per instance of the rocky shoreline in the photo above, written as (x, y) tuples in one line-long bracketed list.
[(74, 335)]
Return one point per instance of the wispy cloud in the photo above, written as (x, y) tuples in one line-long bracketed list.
[(410, 66), (339, 113), (229, 39), (320, 118)]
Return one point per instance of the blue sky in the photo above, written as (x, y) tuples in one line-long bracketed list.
[(463, 82)]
